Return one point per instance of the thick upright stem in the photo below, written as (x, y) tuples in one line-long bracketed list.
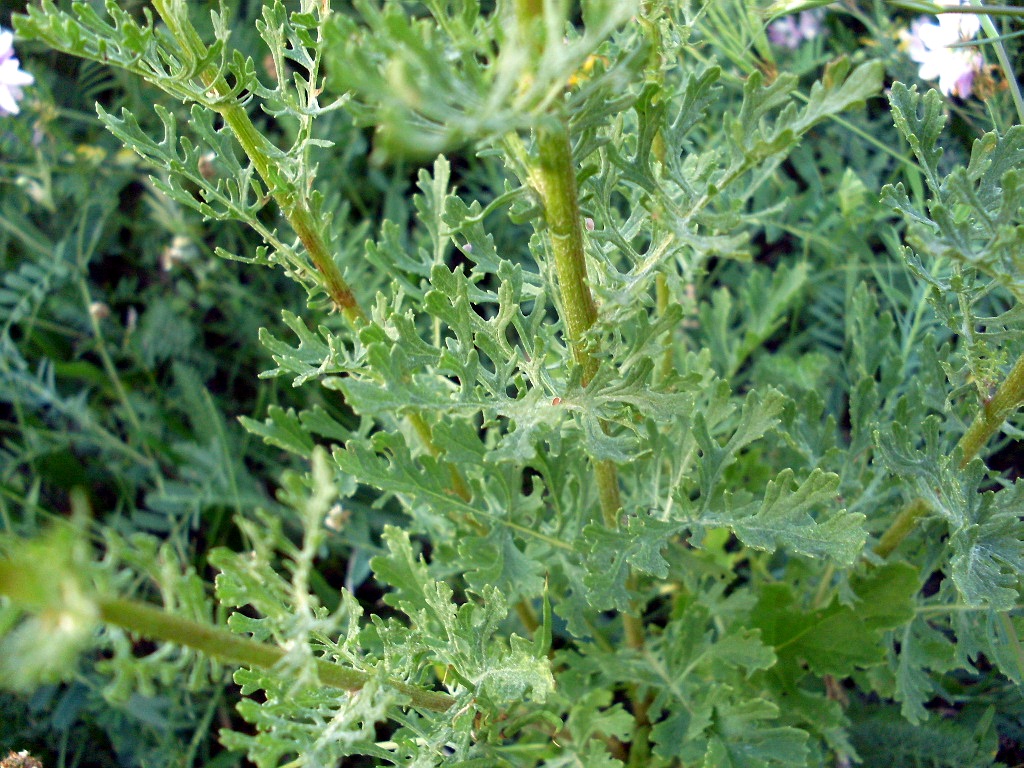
[(555, 179), (459, 485), (528, 10), (295, 210), (994, 412), (337, 288)]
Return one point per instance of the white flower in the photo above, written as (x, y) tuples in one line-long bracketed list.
[(11, 76), (793, 30), (928, 43)]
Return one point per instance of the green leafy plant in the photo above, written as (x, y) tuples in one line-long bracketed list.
[(648, 467)]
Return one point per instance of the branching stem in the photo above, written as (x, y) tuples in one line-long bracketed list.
[(994, 412), (217, 643), (459, 485), (262, 154)]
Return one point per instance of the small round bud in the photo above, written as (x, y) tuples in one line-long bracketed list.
[(181, 249), (206, 167), (99, 310), (336, 518)]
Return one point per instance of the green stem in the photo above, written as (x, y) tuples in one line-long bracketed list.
[(640, 744), (1004, 60), (115, 379), (262, 154), (338, 289), (459, 485), (990, 10), (554, 177), (901, 527), (529, 9), (994, 412), (527, 616), (557, 182), (662, 298), (217, 643), (607, 476), (640, 748), (824, 587)]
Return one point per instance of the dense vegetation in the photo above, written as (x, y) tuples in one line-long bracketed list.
[(455, 383)]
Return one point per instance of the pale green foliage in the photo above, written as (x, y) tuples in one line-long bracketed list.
[(460, 637), (44, 648), (704, 621), (969, 234), (459, 75), (986, 541)]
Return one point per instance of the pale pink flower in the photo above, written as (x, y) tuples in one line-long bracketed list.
[(790, 31), (929, 44), (12, 78)]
